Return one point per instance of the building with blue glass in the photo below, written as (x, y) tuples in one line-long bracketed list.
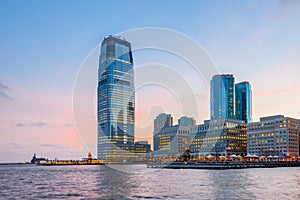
[(222, 96), (243, 101), (116, 99)]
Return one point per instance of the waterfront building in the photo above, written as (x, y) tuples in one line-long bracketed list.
[(141, 152), (222, 96), (186, 121), (116, 99), (243, 101), (36, 160), (142, 147), (172, 141), (274, 135), (219, 137), (161, 121), (299, 136)]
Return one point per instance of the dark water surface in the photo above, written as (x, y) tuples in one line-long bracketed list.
[(102, 182)]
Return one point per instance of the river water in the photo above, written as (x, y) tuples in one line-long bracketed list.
[(139, 182)]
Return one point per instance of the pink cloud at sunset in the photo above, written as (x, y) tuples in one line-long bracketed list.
[(37, 123)]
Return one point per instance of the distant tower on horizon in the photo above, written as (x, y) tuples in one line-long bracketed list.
[(222, 96), (243, 101), (116, 99), (186, 121), (161, 121)]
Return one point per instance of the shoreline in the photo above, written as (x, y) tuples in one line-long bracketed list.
[(224, 166), (180, 165), (18, 163)]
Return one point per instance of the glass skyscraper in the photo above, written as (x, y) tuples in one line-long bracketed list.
[(243, 101), (116, 99), (222, 97)]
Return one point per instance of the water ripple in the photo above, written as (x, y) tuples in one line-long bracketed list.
[(101, 182)]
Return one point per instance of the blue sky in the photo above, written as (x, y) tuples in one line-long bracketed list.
[(43, 43)]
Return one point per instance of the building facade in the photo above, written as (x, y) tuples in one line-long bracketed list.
[(172, 141), (274, 135), (222, 96), (116, 99), (142, 147), (243, 101), (299, 136), (219, 137)]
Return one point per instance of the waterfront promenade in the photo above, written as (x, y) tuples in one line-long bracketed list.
[(223, 165), (71, 162), (188, 165)]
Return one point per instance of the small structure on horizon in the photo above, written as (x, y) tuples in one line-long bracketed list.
[(90, 157), (36, 160)]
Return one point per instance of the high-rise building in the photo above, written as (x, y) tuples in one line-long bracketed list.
[(161, 121), (186, 121), (243, 102), (222, 96), (116, 99), (274, 135)]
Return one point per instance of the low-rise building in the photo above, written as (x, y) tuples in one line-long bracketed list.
[(219, 137), (274, 135), (141, 147), (172, 141)]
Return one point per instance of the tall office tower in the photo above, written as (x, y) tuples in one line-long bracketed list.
[(161, 121), (222, 96), (116, 99), (243, 102)]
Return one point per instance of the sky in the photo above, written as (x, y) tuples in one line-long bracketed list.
[(44, 43)]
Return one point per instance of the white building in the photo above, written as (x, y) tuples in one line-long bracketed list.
[(274, 135)]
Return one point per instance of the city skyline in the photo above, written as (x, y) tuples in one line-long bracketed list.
[(43, 46)]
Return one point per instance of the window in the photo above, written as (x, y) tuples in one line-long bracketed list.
[(122, 52)]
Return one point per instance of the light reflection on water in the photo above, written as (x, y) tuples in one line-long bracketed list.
[(101, 182)]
